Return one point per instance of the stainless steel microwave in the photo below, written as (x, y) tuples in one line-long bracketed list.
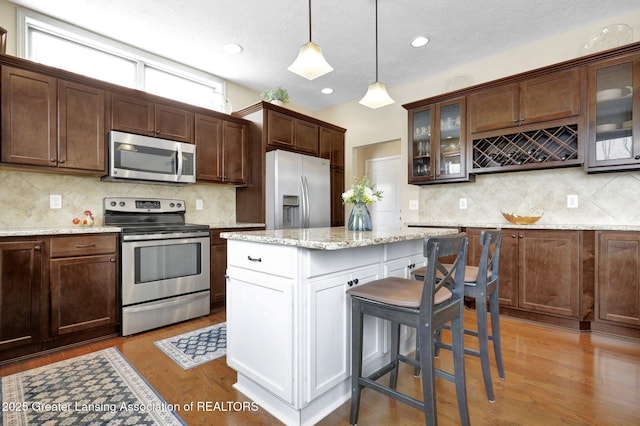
[(143, 158)]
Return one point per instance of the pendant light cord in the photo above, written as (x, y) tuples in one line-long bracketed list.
[(310, 20), (376, 40)]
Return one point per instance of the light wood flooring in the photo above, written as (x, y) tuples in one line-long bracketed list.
[(553, 376)]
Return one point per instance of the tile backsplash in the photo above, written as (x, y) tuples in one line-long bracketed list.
[(24, 199), (603, 199)]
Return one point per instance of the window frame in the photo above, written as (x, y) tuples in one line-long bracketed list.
[(27, 19)]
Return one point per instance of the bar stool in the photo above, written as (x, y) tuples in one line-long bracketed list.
[(426, 306), (480, 283)]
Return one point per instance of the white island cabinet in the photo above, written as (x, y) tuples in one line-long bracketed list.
[(288, 316)]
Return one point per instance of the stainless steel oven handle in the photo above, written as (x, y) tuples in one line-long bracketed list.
[(167, 236)]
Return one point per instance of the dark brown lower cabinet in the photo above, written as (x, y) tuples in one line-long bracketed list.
[(542, 274), (618, 281), (83, 284), (57, 291), (219, 266), (21, 292)]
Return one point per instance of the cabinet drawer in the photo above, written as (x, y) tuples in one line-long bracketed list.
[(83, 245), (267, 258)]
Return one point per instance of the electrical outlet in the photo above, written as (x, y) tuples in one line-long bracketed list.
[(55, 201), (199, 204), (572, 201), (463, 203), (413, 204)]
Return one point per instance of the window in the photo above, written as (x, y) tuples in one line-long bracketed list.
[(45, 40)]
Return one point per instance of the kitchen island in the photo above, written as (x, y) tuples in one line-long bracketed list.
[(288, 316)]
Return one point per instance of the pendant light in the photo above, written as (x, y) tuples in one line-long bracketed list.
[(376, 95), (310, 63)]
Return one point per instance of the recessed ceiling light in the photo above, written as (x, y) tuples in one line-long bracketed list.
[(232, 48), (419, 41), (327, 90)]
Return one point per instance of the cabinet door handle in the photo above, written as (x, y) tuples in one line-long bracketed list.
[(254, 259), (520, 236), (522, 118), (513, 235), (355, 281), (637, 157), (112, 260), (37, 247), (85, 245), (53, 160)]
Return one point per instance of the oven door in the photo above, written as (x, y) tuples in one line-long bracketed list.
[(169, 266)]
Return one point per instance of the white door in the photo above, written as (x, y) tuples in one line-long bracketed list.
[(386, 174)]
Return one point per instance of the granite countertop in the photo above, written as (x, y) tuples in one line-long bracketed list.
[(508, 225), (32, 231), (335, 238), (96, 229)]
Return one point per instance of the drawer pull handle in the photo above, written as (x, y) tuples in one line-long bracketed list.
[(254, 259), (85, 245)]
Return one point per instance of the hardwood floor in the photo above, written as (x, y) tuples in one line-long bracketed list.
[(553, 376)]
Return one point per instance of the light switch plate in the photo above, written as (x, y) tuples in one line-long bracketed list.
[(55, 201), (463, 203), (199, 204), (572, 201), (413, 204)]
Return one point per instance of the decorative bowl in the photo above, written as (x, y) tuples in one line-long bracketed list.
[(521, 220)]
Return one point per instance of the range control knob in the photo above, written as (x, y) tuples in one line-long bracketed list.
[(113, 203), (179, 205), (122, 203), (172, 205)]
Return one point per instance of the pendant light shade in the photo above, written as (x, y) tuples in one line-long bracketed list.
[(376, 95), (310, 62)]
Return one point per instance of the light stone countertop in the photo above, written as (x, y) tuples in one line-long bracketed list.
[(77, 230), (335, 238), (508, 225), (96, 229)]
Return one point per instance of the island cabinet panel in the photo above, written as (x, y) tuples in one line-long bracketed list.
[(289, 322), (83, 283), (549, 97), (618, 278), (138, 115), (22, 290)]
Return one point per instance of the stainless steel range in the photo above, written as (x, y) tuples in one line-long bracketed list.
[(165, 262)]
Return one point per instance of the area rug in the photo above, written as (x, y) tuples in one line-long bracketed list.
[(100, 388), (191, 349)]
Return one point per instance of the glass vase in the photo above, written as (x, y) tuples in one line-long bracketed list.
[(359, 219)]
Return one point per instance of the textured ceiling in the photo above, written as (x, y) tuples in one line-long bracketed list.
[(193, 32)]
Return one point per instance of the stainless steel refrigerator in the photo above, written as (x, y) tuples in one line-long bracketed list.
[(298, 192)]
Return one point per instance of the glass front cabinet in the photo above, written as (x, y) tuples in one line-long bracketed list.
[(614, 110), (437, 143)]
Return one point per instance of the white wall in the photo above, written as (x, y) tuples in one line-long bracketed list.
[(601, 201)]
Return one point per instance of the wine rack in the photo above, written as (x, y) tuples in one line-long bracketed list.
[(540, 148)]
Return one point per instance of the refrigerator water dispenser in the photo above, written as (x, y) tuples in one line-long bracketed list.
[(290, 213)]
